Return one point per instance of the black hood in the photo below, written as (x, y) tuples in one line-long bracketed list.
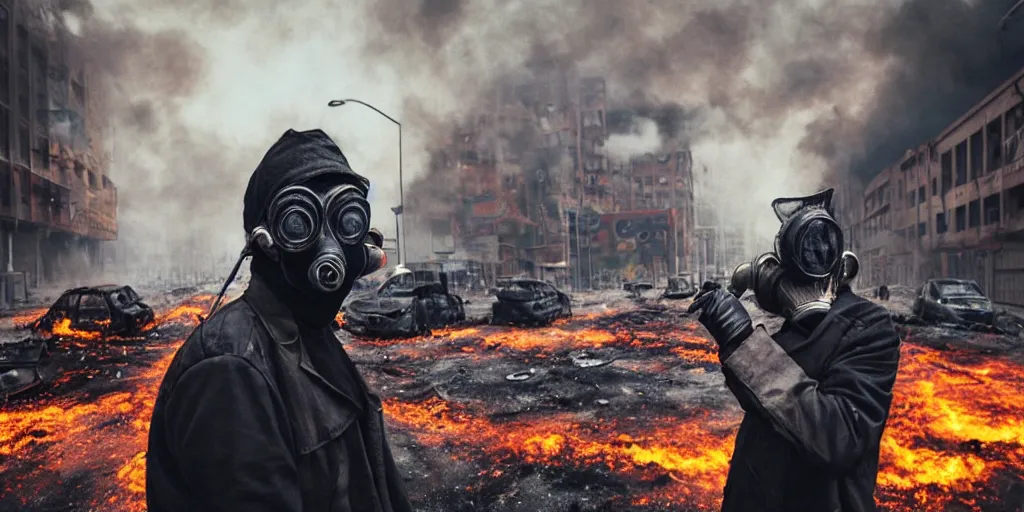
[(295, 158)]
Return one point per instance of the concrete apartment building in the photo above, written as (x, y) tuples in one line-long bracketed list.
[(954, 206), (505, 191), (57, 203)]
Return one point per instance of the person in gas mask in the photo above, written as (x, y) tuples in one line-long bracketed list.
[(261, 409), (816, 394)]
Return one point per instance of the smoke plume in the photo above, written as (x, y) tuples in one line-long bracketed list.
[(774, 97)]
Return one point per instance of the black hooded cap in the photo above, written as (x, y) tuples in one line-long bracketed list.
[(295, 158)]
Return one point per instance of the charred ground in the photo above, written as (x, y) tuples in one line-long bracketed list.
[(621, 407)]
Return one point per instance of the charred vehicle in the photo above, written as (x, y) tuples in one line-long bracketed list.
[(636, 289), (406, 304), (953, 301), (109, 310), (529, 302), (19, 366), (680, 287)]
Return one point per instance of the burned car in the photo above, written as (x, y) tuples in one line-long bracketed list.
[(19, 366), (680, 287), (529, 302), (109, 310), (953, 301), (406, 304)]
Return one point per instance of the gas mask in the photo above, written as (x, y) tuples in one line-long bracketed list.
[(318, 239), (798, 281), (321, 241)]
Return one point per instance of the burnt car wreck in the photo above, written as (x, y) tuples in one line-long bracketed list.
[(406, 304), (527, 302), (19, 366), (108, 310), (955, 301)]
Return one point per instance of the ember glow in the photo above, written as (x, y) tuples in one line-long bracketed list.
[(661, 440)]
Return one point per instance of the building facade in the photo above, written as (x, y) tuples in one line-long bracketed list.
[(525, 187), (954, 206), (57, 203)]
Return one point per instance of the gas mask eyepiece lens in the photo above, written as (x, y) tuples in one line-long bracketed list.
[(295, 218), (349, 215), (811, 242)]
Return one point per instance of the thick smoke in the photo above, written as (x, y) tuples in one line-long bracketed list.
[(773, 96)]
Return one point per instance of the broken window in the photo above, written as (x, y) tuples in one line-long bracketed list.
[(940, 223), (5, 184), (961, 163), (1014, 145), (991, 208), (961, 218), (935, 187), (24, 143), (977, 156), (974, 213), (22, 47), (920, 195), (995, 145), (5, 29), (947, 171)]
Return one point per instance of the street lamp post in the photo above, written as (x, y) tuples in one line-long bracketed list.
[(401, 183), (398, 245)]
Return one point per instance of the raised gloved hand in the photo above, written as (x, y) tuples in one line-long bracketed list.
[(724, 316)]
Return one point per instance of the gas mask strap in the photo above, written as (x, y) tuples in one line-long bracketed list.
[(246, 252)]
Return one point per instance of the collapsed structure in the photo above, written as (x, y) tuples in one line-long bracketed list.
[(526, 188), (57, 202)]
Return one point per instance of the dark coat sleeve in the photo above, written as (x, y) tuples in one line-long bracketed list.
[(226, 428), (831, 422)]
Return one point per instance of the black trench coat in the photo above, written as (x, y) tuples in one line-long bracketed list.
[(816, 405), (243, 422)]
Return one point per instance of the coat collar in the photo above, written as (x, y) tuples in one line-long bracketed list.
[(280, 322)]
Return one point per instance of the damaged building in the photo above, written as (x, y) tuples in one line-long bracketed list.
[(953, 206), (57, 203), (506, 190)]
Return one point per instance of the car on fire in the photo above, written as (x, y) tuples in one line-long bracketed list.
[(408, 303), (953, 301), (529, 302), (109, 310)]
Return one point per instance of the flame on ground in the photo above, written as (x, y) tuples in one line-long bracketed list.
[(956, 429)]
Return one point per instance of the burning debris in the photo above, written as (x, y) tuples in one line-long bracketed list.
[(529, 302)]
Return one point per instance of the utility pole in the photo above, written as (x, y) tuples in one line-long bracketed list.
[(579, 186)]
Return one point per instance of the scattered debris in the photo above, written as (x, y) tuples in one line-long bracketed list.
[(19, 366), (520, 376)]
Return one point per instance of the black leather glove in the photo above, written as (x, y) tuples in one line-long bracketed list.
[(725, 318)]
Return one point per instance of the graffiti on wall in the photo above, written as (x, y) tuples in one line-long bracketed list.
[(628, 239)]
